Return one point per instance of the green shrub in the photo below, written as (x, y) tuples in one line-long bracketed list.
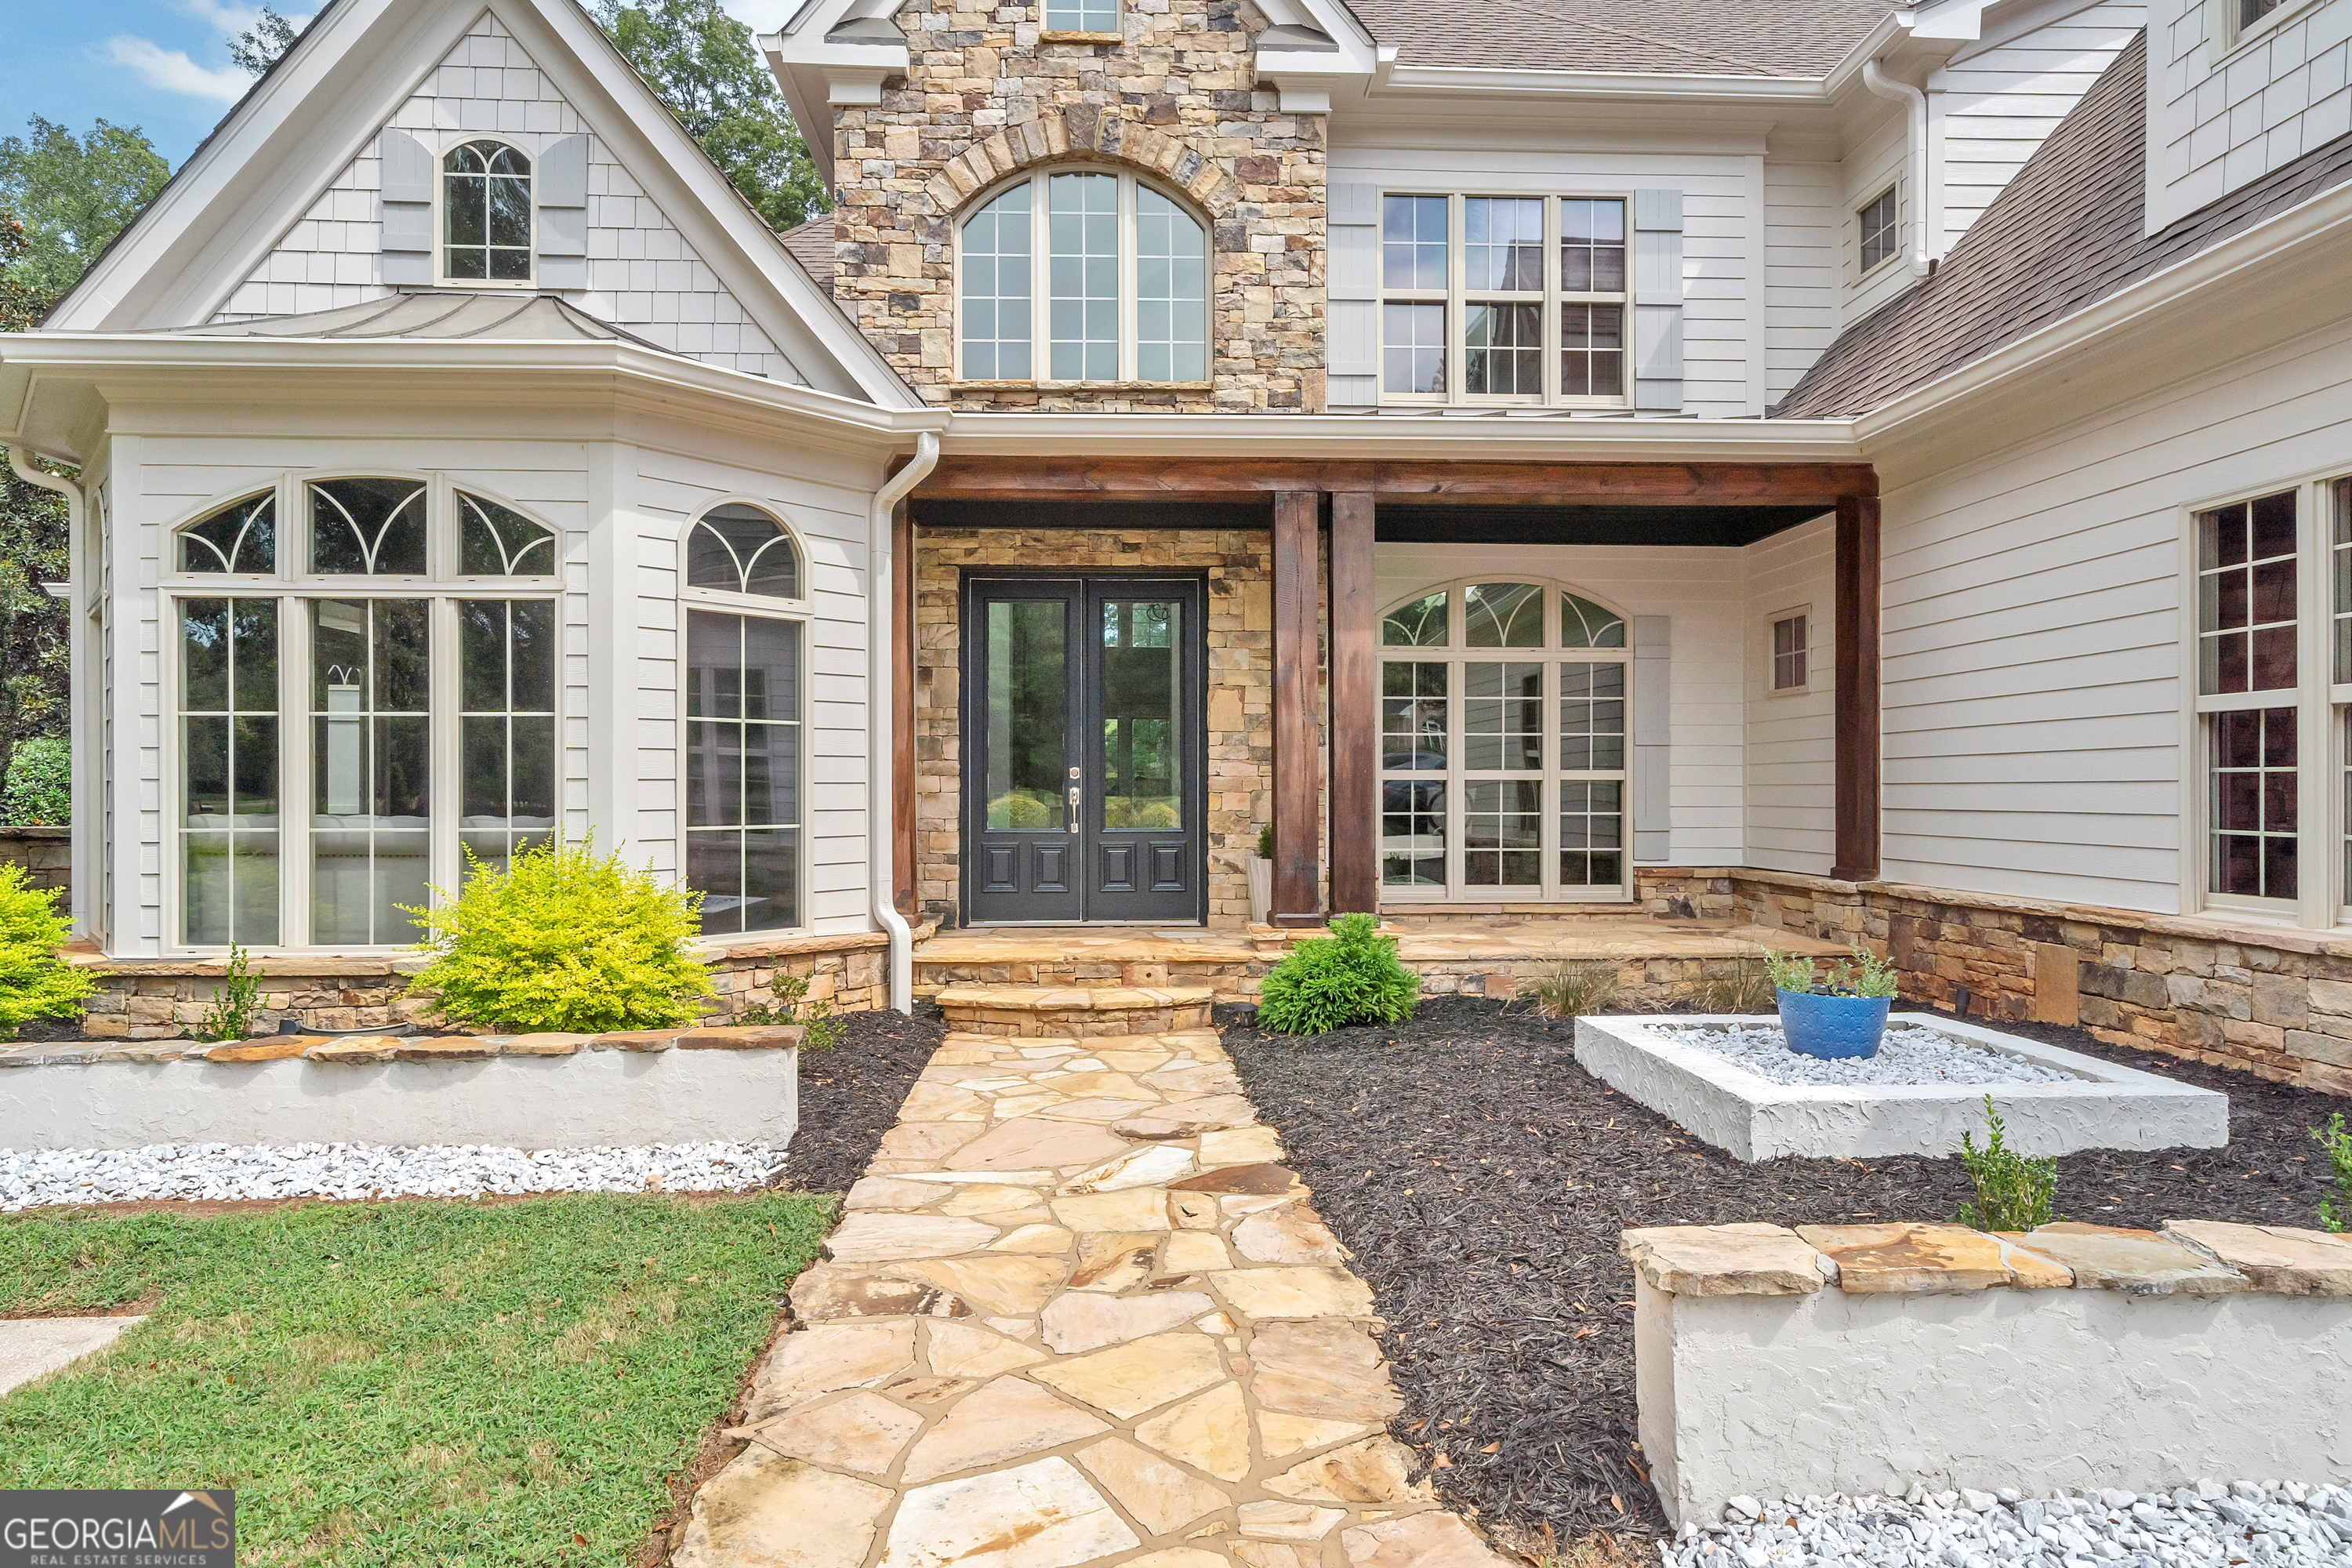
[(820, 1030), (1575, 987), (563, 938), (230, 1018), (1265, 841), (34, 983), (2335, 1210), (2012, 1192), (1864, 974), (1351, 977), (38, 791)]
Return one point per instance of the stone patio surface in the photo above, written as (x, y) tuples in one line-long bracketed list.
[(1076, 1311)]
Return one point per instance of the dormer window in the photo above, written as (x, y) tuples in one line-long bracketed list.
[(485, 214)]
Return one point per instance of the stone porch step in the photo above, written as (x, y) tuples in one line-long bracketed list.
[(1075, 1012)]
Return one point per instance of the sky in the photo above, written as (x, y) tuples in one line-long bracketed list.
[(160, 65)]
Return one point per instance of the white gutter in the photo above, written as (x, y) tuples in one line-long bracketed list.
[(1916, 139), (81, 780), (879, 819)]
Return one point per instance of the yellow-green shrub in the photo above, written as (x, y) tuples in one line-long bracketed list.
[(564, 939), (33, 983)]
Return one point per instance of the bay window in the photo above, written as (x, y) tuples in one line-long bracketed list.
[(413, 626), (1081, 276), (1503, 746), (1504, 299)]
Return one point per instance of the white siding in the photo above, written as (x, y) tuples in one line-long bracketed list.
[(1995, 103), (2033, 698), (642, 273), (1802, 216), (2218, 119), (1699, 589), (1878, 161), (1718, 237), (1791, 740)]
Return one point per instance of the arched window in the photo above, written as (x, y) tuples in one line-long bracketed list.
[(1503, 745), (743, 715), (1084, 276), (368, 715), (485, 214)]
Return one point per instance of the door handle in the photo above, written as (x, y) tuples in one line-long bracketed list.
[(1074, 808)]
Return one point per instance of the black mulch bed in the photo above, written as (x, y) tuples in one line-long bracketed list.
[(1481, 1177), (850, 1095)]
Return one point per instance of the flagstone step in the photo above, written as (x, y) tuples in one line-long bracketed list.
[(1075, 1012)]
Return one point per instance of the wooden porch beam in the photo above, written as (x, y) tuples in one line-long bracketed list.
[(1857, 777), (1297, 764), (1355, 708), (903, 718), (1424, 482)]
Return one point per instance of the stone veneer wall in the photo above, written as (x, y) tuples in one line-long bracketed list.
[(1173, 98), (164, 999), (47, 855), (1239, 567), (2274, 1002)]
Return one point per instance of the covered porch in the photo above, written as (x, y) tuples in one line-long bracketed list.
[(1301, 559)]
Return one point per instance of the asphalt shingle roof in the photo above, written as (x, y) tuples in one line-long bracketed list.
[(2066, 234), (1793, 38), (811, 243)]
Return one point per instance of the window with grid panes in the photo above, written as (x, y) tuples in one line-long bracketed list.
[(1503, 745), (2247, 631), (1504, 299), (1790, 653), (1881, 235)]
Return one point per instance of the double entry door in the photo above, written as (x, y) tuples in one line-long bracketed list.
[(1084, 729)]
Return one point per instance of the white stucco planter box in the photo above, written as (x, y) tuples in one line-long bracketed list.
[(2102, 1106), (587, 1097), (1749, 1387)]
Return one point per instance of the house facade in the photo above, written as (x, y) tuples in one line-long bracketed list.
[(1868, 468)]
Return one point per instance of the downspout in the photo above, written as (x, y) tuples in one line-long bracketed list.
[(879, 805), (80, 779), (1916, 137)]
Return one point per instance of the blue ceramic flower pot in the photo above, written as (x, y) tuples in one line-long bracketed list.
[(1833, 1026)]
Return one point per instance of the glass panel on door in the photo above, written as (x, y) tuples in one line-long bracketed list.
[(1142, 719), (1027, 714)]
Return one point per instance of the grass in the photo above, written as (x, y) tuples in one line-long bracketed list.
[(403, 1383), (1573, 987)]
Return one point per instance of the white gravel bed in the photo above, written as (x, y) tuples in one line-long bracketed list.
[(1909, 1055), (30, 1178), (2271, 1524)]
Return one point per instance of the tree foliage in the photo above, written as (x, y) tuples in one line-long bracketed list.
[(706, 68), (265, 43), (73, 195), (33, 550)]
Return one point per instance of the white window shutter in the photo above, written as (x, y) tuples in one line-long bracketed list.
[(561, 182), (1658, 300), (407, 211), (1351, 296), (1652, 801)]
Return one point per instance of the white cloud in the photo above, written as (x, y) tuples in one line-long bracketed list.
[(173, 71)]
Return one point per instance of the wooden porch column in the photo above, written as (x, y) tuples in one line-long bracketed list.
[(1297, 836), (1355, 710), (903, 718), (1857, 690)]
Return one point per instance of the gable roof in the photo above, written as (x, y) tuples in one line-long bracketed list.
[(1791, 38), (811, 243), (2067, 232), (326, 99)]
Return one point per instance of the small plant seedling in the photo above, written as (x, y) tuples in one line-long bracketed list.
[(1352, 976), (2335, 1209), (230, 1017), (1575, 987), (820, 1030), (1861, 974), (2012, 1192)]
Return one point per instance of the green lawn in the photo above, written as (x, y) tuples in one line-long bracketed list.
[(419, 1382)]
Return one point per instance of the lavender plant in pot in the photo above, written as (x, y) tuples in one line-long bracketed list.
[(1839, 1011)]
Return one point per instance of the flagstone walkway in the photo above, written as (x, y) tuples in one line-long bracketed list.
[(1077, 1312)]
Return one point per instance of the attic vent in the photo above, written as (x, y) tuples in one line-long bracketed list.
[(867, 30), (1292, 37)]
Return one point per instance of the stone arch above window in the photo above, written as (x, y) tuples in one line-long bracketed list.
[(1083, 134), (738, 548), (239, 538)]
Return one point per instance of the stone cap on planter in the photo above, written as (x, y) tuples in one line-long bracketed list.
[(363, 1049), (2188, 1257)]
